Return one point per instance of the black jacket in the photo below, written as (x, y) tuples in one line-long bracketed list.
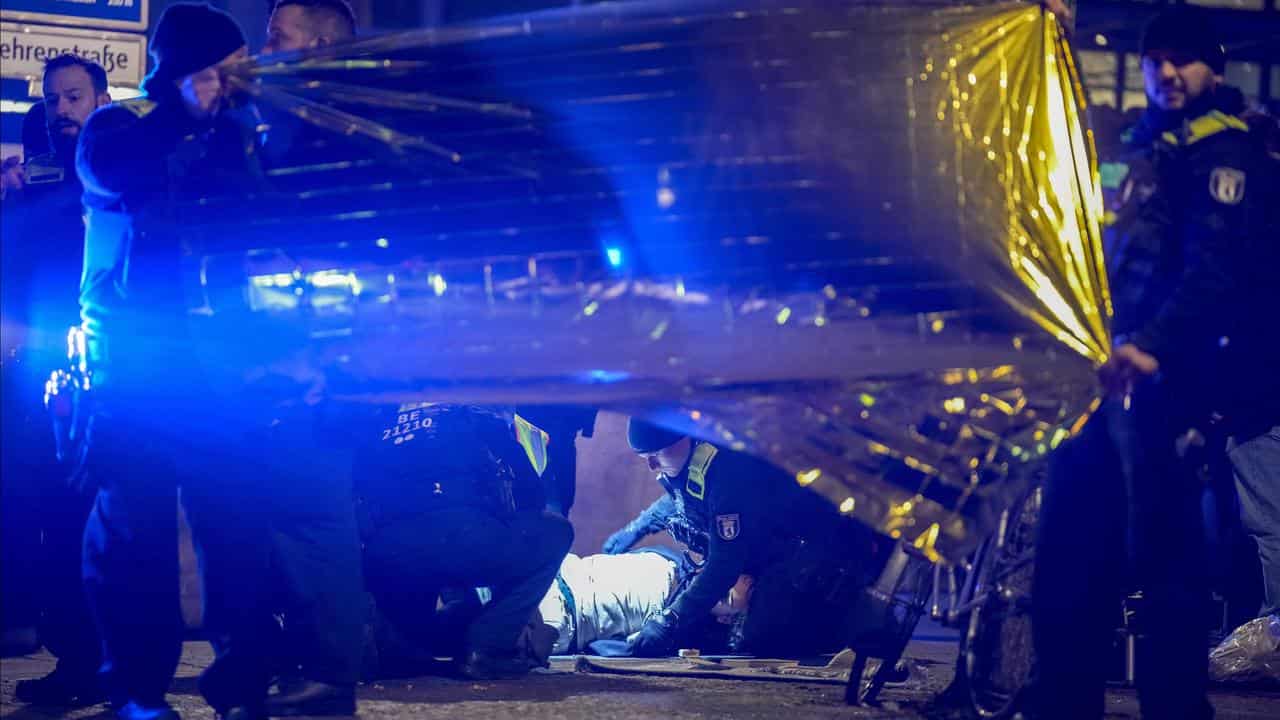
[(752, 515), (423, 457), (1193, 258), (138, 159)]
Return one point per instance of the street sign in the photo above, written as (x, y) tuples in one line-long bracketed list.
[(24, 49), (113, 14)]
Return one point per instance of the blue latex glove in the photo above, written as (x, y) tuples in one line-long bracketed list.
[(610, 648), (657, 637), (621, 541)]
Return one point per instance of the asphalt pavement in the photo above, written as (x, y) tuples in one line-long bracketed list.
[(565, 693)]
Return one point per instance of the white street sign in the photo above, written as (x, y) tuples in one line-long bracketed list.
[(24, 49)]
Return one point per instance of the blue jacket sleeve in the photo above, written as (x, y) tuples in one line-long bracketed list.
[(655, 517)]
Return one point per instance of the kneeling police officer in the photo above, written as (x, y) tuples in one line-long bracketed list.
[(447, 498), (807, 562)]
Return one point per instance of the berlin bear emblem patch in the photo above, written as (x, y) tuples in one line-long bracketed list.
[(1226, 185), (728, 527)]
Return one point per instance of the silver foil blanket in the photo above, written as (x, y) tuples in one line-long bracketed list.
[(858, 239)]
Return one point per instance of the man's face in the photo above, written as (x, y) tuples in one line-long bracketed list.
[(290, 29), (670, 460), (1174, 79), (69, 98), (204, 92)]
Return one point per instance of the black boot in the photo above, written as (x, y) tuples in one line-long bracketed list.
[(62, 688), (481, 665), (309, 697)]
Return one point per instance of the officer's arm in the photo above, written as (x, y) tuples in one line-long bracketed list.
[(121, 150), (732, 515), (1223, 235), (655, 517)]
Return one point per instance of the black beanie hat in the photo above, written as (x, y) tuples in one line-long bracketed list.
[(1188, 30), (188, 38), (645, 437)]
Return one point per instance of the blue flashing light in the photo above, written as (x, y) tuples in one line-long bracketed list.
[(606, 376), (614, 255)]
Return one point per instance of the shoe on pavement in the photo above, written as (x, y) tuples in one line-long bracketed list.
[(481, 665), (61, 688), (309, 697)]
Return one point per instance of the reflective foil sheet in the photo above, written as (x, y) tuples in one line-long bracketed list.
[(858, 239)]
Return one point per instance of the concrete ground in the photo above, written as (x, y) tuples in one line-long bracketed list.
[(563, 693)]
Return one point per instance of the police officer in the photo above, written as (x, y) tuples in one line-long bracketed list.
[(756, 521), (308, 24), (438, 490), (42, 239), (314, 537), (162, 418), (1190, 278), (300, 26)]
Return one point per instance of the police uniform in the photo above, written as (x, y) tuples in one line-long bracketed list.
[(133, 315), (164, 419), (1189, 278), (1191, 253), (757, 521), (289, 523), (439, 493)]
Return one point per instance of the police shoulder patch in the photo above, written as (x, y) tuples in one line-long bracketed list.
[(728, 527), (1226, 185), (139, 106)]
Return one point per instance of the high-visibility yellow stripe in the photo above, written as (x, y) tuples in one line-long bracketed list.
[(696, 484), (1207, 125), (534, 440), (139, 106)]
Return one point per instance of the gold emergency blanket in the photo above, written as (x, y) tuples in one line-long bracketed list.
[(858, 239)]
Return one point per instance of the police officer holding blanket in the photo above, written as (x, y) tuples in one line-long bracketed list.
[(171, 407), (1192, 269)]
